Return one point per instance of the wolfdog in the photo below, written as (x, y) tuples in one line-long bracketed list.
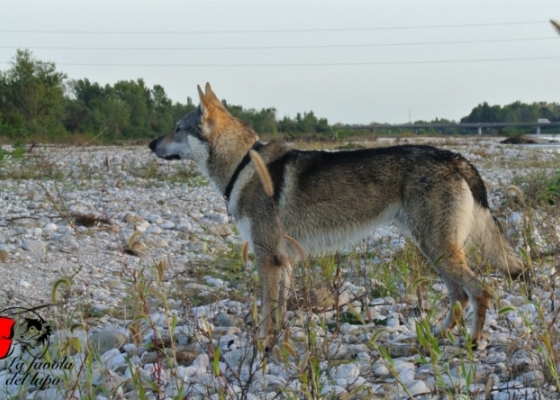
[(327, 199)]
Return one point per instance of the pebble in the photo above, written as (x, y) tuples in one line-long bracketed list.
[(346, 371), (153, 219), (34, 246), (154, 230), (168, 225), (107, 340)]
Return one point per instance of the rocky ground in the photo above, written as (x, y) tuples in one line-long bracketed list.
[(139, 269)]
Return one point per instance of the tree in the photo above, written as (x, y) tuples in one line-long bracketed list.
[(516, 112), (161, 119), (32, 95), (115, 113), (138, 99)]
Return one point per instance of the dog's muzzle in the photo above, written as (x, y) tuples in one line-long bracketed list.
[(153, 146)]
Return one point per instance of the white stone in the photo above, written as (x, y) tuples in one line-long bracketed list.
[(332, 390), (418, 387), (25, 284), (168, 225), (406, 371), (380, 369), (35, 246), (217, 282), (345, 371), (153, 230), (154, 219), (184, 226)]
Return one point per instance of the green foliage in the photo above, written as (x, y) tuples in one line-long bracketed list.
[(540, 187), (262, 121), (306, 124), (31, 97), (516, 112), (35, 106), (37, 103), (18, 151)]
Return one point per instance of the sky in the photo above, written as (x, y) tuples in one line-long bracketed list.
[(354, 62)]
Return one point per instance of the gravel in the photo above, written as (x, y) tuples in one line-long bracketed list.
[(105, 219)]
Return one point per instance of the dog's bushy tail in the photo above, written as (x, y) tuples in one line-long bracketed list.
[(488, 236), (486, 231)]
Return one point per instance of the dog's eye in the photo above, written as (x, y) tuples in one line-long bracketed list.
[(177, 129)]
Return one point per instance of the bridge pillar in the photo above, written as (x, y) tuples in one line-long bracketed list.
[(538, 130), (480, 130)]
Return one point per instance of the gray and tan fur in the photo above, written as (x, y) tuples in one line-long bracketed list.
[(325, 200)]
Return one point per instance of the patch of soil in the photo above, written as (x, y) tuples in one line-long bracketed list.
[(518, 140)]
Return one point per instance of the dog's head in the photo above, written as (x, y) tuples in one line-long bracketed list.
[(210, 129)]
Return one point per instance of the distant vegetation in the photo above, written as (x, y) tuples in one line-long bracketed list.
[(39, 103), (514, 112)]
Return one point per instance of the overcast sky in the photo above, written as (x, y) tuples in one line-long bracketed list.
[(350, 62)]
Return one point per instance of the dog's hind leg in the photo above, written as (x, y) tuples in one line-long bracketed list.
[(456, 295), (272, 267), (460, 279), (441, 221), (285, 284)]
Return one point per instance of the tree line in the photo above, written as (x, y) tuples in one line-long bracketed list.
[(516, 112), (38, 102)]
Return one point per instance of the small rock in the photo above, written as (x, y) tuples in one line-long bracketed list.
[(338, 351), (183, 236), (4, 256), (332, 391), (24, 284), (186, 355), (154, 230), (105, 340), (418, 387), (136, 248), (222, 230), (200, 247), (406, 371), (154, 219), (133, 219), (228, 320), (34, 246), (69, 245), (217, 282), (345, 371), (50, 227), (168, 225), (184, 226), (532, 378), (69, 342)]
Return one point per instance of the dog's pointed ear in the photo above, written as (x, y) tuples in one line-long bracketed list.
[(203, 98), (210, 93)]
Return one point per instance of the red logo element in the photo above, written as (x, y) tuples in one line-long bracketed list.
[(6, 335)]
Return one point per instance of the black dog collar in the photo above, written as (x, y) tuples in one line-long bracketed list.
[(239, 168)]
